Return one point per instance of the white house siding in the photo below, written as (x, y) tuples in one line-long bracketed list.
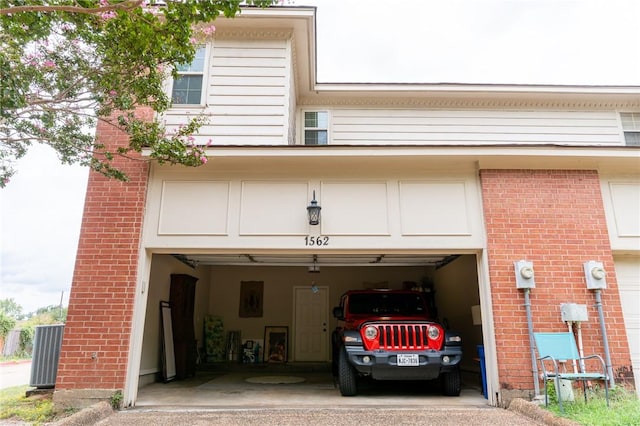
[(628, 274), (291, 118), (621, 197), (473, 127), (248, 92)]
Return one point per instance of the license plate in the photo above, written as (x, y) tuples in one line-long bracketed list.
[(408, 360)]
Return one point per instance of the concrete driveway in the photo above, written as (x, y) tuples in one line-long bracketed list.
[(295, 386), (321, 416), (293, 395)]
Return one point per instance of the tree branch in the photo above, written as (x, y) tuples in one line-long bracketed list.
[(126, 5)]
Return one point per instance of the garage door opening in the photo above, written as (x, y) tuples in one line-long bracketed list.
[(239, 302)]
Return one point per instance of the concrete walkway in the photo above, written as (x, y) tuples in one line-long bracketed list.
[(15, 373)]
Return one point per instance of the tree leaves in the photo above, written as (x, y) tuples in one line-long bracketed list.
[(66, 64)]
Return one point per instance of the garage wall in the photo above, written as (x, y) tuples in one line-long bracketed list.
[(456, 288), (160, 279), (279, 282)]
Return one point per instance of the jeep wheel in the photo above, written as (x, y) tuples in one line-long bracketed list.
[(451, 383), (346, 376)]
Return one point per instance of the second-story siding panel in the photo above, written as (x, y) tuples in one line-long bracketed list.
[(247, 92), (246, 95), (431, 127)]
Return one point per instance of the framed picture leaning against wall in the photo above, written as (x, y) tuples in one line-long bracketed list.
[(276, 342)]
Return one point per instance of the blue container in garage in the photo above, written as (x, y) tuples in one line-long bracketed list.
[(483, 371)]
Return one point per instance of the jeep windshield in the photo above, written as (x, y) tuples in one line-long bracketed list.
[(387, 304)]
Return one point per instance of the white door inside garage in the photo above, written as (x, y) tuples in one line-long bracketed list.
[(628, 274), (311, 323)]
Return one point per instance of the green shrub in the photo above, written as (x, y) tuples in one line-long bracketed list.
[(37, 409), (6, 324), (26, 340), (116, 400), (551, 392)]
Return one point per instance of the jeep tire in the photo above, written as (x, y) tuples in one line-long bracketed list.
[(451, 383), (347, 378), (335, 352)]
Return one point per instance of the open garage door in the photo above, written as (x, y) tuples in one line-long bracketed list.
[(283, 281)]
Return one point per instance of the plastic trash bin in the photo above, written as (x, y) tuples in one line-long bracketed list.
[(483, 371)]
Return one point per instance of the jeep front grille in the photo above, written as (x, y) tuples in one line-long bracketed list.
[(403, 336)]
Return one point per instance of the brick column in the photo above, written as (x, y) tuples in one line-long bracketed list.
[(95, 349), (556, 219)]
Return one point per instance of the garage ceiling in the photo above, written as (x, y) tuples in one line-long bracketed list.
[(318, 260)]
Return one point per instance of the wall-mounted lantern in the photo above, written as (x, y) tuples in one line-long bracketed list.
[(313, 210)]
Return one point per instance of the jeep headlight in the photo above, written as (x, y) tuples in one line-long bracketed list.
[(434, 332), (370, 332)]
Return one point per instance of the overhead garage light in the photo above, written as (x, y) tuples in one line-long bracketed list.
[(313, 210), (314, 268)]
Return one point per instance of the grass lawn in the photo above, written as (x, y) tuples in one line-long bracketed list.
[(36, 410), (624, 409)]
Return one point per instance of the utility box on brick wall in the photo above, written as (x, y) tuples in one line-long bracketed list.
[(572, 312)]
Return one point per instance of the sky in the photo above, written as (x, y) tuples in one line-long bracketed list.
[(559, 42)]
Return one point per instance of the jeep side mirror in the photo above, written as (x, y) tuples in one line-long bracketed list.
[(338, 312)]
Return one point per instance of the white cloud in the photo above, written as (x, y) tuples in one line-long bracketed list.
[(41, 213)]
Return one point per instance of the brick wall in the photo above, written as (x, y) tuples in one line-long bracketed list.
[(95, 349), (556, 219)]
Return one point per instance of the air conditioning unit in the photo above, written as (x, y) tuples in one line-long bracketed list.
[(47, 342)]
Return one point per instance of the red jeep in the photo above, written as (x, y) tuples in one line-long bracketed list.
[(391, 335)]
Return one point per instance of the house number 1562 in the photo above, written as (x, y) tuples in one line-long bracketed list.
[(316, 241)]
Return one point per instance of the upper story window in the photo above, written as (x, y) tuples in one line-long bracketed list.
[(187, 88), (316, 127), (631, 127)]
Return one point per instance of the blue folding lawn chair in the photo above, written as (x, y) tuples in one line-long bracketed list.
[(556, 347)]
